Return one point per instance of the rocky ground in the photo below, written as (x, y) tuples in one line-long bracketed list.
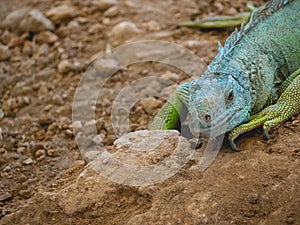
[(44, 51)]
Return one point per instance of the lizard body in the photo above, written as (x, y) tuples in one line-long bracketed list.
[(252, 71)]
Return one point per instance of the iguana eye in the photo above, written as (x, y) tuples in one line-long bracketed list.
[(230, 96)]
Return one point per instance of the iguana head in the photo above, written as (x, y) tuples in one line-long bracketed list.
[(217, 105)]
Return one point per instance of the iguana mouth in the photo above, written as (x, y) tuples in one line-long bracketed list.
[(219, 127)]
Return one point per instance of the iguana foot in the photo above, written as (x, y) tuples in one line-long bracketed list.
[(286, 106)]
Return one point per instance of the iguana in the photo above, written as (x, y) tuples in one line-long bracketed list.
[(256, 76)]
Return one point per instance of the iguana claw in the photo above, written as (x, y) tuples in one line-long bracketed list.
[(233, 145)]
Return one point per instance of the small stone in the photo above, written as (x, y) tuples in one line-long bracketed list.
[(76, 126), (2, 151), (90, 127), (24, 193), (40, 154), (103, 5), (110, 139), (219, 6), (4, 52), (21, 150), (96, 28), (61, 14), (6, 169), (27, 19), (27, 48), (43, 91), (5, 197), (65, 66), (53, 153), (150, 104), (57, 100), (43, 50), (69, 133), (124, 30), (153, 26), (253, 198), (46, 37), (28, 161), (45, 120), (1, 114), (290, 220), (171, 76), (111, 12), (231, 11)]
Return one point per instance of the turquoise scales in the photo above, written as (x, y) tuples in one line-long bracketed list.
[(256, 67)]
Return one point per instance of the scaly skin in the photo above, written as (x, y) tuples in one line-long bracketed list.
[(256, 66), (286, 106)]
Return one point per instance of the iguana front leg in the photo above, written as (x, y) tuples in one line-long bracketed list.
[(286, 106), (170, 114)]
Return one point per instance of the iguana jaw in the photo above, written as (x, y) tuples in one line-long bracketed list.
[(221, 126)]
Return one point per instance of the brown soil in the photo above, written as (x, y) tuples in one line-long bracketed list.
[(39, 160)]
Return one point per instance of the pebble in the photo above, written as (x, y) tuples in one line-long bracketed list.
[(124, 30), (253, 198), (57, 100), (1, 114), (46, 37), (27, 48), (43, 50), (6, 169), (98, 140), (61, 14), (21, 150), (7, 36), (2, 151), (153, 26), (27, 20), (4, 52), (219, 6), (103, 5), (5, 197), (28, 161), (43, 91), (40, 154), (69, 133), (171, 76), (96, 28), (65, 66), (150, 104), (76, 126), (53, 153), (1, 137), (111, 12), (45, 120), (231, 11)]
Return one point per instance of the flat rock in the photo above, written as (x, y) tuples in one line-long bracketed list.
[(146, 147), (27, 20), (61, 14)]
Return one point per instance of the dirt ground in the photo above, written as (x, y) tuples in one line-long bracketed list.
[(44, 178)]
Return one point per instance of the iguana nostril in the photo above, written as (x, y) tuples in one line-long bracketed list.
[(207, 117)]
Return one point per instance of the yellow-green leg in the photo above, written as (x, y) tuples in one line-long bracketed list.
[(286, 106), (167, 118)]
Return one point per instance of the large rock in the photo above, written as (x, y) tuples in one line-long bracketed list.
[(27, 20)]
